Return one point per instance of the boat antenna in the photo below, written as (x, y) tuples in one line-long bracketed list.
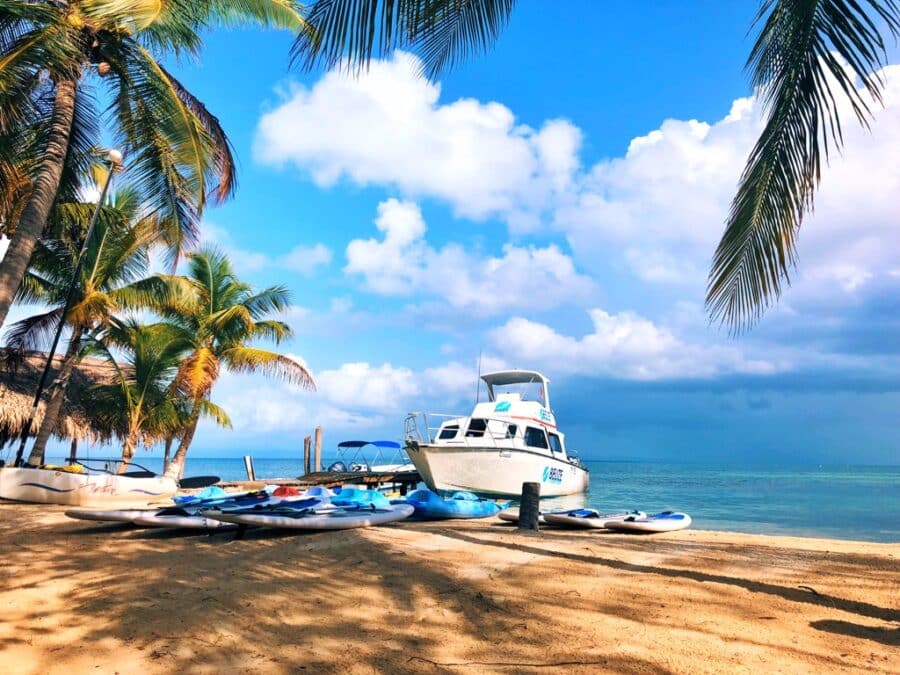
[(478, 380)]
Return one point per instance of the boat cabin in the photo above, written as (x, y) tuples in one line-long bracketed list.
[(516, 415)]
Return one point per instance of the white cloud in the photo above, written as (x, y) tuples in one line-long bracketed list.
[(4, 244), (387, 127), (622, 345), (363, 386), (402, 263), (305, 259)]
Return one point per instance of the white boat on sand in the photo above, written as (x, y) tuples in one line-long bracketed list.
[(88, 487), (509, 439)]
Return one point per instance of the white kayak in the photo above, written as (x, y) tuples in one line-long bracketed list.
[(109, 515), (329, 519), (667, 521), (588, 518), (52, 486), (188, 522)]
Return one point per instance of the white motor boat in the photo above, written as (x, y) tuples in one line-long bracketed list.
[(510, 439), (87, 487)]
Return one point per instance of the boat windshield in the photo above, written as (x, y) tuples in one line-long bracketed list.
[(520, 391)]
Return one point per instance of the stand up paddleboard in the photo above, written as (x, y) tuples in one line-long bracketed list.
[(588, 518), (667, 521), (187, 522), (511, 515), (109, 515), (335, 519)]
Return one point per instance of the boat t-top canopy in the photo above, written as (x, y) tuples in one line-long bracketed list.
[(502, 378), (360, 444)]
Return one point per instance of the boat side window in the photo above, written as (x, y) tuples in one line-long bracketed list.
[(449, 431), (511, 431), (555, 443), (476, 428), (535, 437)]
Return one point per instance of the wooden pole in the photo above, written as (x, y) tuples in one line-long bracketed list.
[(73, 451), (318, 448), (307, 444), (248, 464), (530, 507)]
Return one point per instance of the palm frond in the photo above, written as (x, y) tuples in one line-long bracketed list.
[(245, 359), (442, 32), (33, 333), (798, 78), (215, 413)]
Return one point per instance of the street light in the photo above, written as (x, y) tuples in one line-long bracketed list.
[(114, 160)]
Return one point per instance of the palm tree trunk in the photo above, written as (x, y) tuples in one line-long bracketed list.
[(167, 455), (34, 216), (131, 441), (57, 396), (175, 469)]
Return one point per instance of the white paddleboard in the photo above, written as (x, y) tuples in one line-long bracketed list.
[(511, 515), (588, 518), (187, 522), (336, 519), (668, 521), (109, 515)]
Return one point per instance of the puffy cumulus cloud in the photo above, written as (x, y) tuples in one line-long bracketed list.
[(305, 259), (388, 127), (302, 259), (623, 345), (664, 203), (363, 386), (401, 262)]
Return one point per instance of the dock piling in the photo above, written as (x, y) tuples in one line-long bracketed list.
[(318, 449), (307, 443), (530, 507), (248, 465)]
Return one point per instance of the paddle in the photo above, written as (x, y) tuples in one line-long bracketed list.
[(197, 482)]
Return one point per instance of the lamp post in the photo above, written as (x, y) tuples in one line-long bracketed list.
[(114, 161)]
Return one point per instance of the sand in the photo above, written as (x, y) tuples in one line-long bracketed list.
[(457, 597)]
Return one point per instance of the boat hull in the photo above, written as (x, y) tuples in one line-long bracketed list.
[(495, 471), (44, 486)]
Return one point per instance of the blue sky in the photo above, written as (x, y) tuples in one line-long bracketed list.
[(552, 205)]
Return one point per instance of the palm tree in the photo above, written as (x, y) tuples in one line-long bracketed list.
[(111, 280), (807, 56), (52, 54), (143, 403), (222, 317)]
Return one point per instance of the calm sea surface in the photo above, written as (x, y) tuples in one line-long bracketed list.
[(847, 502)]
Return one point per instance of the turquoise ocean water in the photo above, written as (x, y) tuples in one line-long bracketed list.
[(846, 502)]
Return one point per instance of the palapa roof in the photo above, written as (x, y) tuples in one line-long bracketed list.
[(19, 379)]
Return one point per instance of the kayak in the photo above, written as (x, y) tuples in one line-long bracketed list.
[(59, 485), (331, 518), (588, 518), (667, 521), (429, 505)]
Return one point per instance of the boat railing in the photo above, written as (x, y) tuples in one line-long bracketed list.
[(420, 427)]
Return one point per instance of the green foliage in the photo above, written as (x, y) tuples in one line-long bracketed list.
[(807, 54)]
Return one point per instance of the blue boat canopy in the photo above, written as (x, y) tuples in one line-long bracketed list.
[(360, 444)]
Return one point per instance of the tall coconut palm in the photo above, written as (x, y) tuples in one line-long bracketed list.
[(53, 53), (143, 402), (222, 317), (808, 56), (111, 280)]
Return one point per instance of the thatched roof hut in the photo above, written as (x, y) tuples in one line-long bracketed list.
[(19, 379)]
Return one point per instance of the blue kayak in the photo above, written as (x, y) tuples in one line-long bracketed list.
[(429, 505)]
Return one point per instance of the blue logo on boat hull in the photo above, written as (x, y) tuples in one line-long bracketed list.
[(552, 475)]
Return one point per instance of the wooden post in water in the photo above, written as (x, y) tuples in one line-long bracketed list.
[(318, 448), (307, 443), (248, 464), (530, 507), (73, 451)]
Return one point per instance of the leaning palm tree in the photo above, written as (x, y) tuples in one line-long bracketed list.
[(222, 317), (52, 56), (143, 402), (112, 279), (807, 57)]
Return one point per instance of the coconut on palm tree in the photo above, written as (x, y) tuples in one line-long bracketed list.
[(111, 280), (222, 317), (143, 403), (53, 55), (807, 56)]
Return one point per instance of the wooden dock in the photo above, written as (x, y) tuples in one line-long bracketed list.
[(403, 480)]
